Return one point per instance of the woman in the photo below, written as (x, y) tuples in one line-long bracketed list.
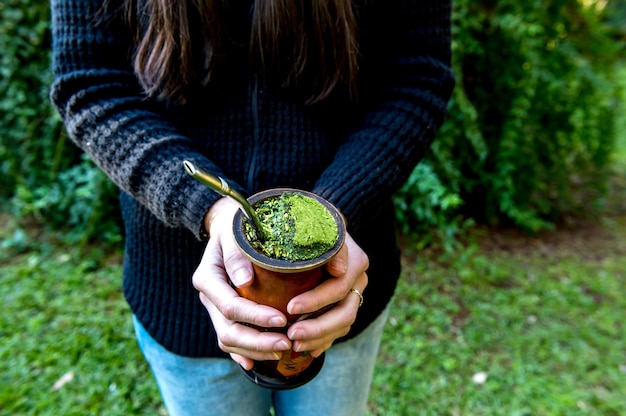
[(338, 97)]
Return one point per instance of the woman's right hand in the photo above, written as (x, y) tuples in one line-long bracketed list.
[(221, 264)]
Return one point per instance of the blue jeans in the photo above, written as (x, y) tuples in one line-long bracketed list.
[(216, 386)]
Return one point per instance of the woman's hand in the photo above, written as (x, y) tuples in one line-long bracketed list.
[(348, 271), (222, 261)]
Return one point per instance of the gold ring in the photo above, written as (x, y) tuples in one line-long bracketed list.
[(356, 291)]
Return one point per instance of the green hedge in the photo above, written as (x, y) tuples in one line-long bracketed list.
[(42, 173), (528, 138), (531, 124)]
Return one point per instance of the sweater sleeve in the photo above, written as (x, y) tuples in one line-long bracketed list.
[(100, 101), (416, 83)]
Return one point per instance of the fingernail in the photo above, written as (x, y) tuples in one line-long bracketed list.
[(246, 364), (339, 265), (294, 309), (277, 321), (241, 277), (296, 333), (277, 355), (282, 345)]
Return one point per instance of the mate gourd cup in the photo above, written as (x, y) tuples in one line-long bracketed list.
[(275, 283)]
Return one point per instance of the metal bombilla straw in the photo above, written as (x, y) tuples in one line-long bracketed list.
[(219, 185)]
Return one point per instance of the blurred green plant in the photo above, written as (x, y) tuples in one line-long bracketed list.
[(614, 16), (28, 128), (41, 172), (532, 121), (511, 325)]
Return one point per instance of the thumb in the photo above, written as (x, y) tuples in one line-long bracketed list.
[(338, 265), (238, 267), (219, 221)]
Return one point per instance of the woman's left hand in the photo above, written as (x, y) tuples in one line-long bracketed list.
[(348, 271)]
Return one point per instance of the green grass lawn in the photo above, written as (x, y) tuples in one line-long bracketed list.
[(512, 326), (530, 328), (63, 318)]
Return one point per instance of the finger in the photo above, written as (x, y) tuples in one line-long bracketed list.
[(326, 293), (333, 290), (338, 265), (236, 338), (238, 267), (350, 257), (319, 351), (258, 346), (244, 362), (320, 332), (235, 308), (211, 281)]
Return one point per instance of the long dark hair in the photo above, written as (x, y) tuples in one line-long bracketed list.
[(295, 40)]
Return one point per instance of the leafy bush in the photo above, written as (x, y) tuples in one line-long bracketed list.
[(531, 124), (41, 172), (528, 138), (28, 128)]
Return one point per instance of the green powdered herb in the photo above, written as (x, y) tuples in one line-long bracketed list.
[(298, 228)]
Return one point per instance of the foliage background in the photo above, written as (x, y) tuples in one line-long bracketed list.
[(531, 123), (527, 141)]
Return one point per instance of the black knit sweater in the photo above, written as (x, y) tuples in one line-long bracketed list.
[(356, 155)]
